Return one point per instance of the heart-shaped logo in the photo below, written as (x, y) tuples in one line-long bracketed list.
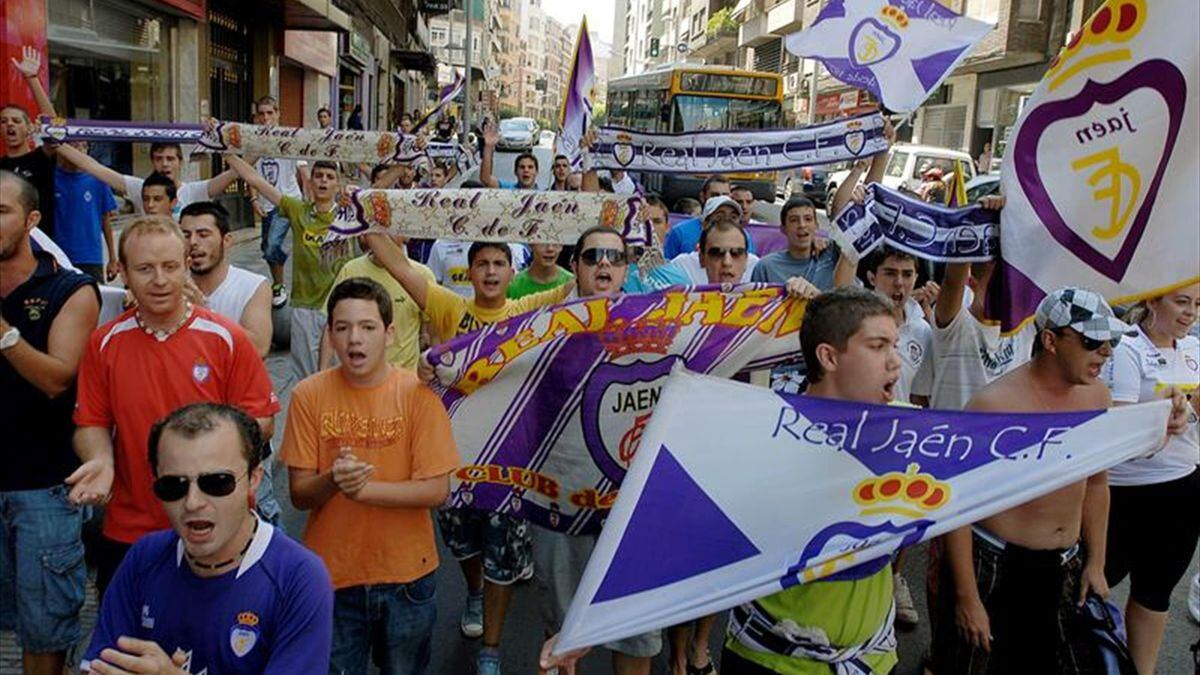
[(623, 152), (872, 42), (58, 133), (616, 406), (855, 140), (1156, 75)]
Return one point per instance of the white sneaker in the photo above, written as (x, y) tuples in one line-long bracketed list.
[(906, 611), (1194, 599), (471, 623), (279, 295)]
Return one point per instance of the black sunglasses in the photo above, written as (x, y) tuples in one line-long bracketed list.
[(718, 252), (593, 256), (173, 488), (1092, 344)]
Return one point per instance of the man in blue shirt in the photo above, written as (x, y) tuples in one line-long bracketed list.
[(684, 236), (525, 166), (83, 207), (222, 591)]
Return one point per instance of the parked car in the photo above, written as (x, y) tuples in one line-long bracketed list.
[(907, 164), (982, 186), (518, 133), (805, 180)]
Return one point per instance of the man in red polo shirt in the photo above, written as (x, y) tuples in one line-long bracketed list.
[(157, 357)]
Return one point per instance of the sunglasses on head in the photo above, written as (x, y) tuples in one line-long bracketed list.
[(170, 488), (736, 252), (593, 256)]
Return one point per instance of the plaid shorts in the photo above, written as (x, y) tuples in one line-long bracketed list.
[(1030, 597), (505, 543)]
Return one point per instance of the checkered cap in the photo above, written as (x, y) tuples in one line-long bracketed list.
[(1083, 310)]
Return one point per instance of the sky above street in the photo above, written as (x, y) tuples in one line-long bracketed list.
[(599, 14)]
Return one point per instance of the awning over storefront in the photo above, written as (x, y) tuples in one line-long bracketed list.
[(422, 62)]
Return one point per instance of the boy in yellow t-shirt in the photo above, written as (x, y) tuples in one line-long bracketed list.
[(493, 549)]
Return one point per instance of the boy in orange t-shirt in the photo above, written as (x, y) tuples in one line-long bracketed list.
[(369, 451)]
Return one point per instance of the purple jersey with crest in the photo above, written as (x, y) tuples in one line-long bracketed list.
[(273, 614)]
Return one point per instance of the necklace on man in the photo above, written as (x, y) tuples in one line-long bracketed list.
[(217, 566), (162, 334)]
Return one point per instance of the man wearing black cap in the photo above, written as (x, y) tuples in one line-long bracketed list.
[(1011, 582)]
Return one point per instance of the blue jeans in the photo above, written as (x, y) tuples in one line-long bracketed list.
[(274, 237), (42, 573), (393, 623), (264, 499)]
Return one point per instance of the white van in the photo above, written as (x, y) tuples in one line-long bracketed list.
[(907, 163)]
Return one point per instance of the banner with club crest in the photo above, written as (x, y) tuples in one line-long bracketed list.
[(525, 216), (731, 151), (927, 231), (737, 492), (1101, 171), (548, 408), (335, 145)]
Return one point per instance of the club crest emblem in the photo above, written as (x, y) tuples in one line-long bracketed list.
[(623, 396), (855, 140), (871, 42), (623, 149), (244, 634), (201, 371)]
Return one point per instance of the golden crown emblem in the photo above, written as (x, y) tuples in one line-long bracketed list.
[(894, 16), (1116, 22), (620, 338), (624, 137), (908, 494), (247, 619)]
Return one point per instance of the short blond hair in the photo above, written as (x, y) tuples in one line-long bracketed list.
[(149, 225)]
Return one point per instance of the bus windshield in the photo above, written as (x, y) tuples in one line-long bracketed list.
[(701, 113)]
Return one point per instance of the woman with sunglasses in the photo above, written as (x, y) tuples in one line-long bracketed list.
[(1154, 522), (221, 591)]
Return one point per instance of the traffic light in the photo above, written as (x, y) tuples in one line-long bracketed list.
[(654, 47)]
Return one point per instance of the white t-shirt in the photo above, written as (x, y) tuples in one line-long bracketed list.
[(193, 191), (690, 263), (232, 296), (448, 262), (280, 173), (1137, 368), (916, 343), (967, 356)]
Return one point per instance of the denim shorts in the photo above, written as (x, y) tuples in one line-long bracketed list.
[(505, 542), (42, 572), (390, 623), (274, 237)]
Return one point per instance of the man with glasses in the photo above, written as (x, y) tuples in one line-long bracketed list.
[(221, 591), (155, 357), (492, 549), (369, 452), (684, 236), (1011, 583)]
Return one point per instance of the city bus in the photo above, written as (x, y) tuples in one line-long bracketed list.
[(678, 98)]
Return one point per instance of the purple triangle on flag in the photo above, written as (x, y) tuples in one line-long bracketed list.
[(674, 514)]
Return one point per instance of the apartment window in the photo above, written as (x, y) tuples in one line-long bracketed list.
[(985, 10), (1029, 10), (438, 36)]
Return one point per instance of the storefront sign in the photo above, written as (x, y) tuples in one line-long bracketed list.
[(316, 49), (431, 7), (828, 104), (360, 47)]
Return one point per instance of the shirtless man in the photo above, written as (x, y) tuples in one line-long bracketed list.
[(1012, 581)]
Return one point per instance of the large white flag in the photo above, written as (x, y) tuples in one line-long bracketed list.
[(899, 50), (576, 114), (737, 492), (1102, 170)]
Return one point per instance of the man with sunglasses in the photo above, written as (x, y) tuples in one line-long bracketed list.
[(221, 591), (155, 357), (1011, 583), (493, 550)]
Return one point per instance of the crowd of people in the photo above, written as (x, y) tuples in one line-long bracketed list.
[(163, 415)]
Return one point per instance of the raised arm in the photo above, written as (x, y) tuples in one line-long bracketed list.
[(253, 179), (218, 183), (395, 261), (491, 136), (85, 162), (30, 67)]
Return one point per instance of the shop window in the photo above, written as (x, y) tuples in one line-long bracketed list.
[(1029, 10)]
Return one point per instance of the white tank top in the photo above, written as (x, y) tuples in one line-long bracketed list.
[(232, 296)]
